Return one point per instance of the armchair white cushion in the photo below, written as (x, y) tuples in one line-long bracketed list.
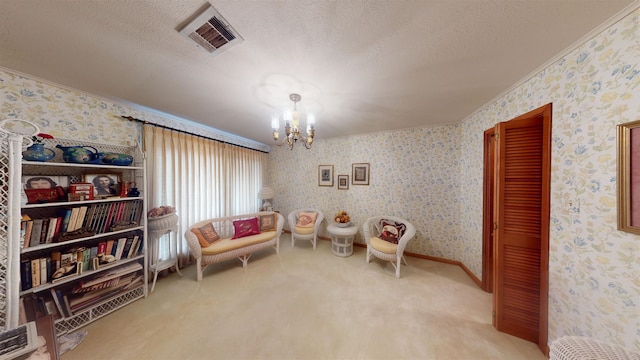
[(383, 249), (305, 233)]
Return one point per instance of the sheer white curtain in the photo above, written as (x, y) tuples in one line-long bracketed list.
[(201, 178)]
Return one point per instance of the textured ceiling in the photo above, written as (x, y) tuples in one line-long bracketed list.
[(360, 66)]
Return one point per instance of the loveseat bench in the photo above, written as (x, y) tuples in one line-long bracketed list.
[(220, 239)]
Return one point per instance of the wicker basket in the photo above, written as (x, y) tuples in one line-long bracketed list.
[(578, 348), (163, 222)]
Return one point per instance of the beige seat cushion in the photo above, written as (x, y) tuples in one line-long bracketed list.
[(303, 230), (229, 244), (382, 246)]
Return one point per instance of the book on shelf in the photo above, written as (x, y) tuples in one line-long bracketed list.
[(51, 229), (36, 231), (107, 218), (94, 251), (136, 281), (134, 244), (73, 219), (82, 213), (65, 221), (89, 216), (109, 250), (35, 272), (58, 300), (127, 248), (56, 260), (120, 248), (67, 307), (31, 309), (43, 271), (111, 274), (102, 216), (80, 301), (22, 313), (43, 231), (25, 274), (86, 259), (102, 247), (78, 288), (59, 221), (27, 234), (51, 309), (25, 231)]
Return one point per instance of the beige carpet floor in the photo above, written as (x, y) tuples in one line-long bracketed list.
[(306, 304)]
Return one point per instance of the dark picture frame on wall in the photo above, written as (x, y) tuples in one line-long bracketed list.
[(629, 177), (325, 175), (343, 182), (360, 173)]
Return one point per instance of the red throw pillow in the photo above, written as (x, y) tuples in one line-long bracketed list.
[(246, 227), (391, 231)]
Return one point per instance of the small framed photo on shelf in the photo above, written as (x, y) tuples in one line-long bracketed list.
[(44, 181), (360, 173), (104, 184), (325, 175), (343, 182)]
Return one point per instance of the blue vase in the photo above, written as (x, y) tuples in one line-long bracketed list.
[(37, 152)]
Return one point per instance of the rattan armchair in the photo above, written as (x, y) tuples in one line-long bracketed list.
[(382, 249), (310, 234)]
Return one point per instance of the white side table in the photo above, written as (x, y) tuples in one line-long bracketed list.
[(156, 228), (342, 239)]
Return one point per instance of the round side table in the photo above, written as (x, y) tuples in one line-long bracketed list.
[(342, 239)]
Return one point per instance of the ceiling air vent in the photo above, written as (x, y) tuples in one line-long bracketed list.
[(211, 32)]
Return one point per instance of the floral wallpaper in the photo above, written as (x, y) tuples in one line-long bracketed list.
[(71, 114), (412, 175), (433, 178)]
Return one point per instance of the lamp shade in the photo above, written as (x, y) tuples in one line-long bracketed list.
[(266, 193)]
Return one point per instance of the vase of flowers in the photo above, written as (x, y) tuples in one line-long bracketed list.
[(37, 151)]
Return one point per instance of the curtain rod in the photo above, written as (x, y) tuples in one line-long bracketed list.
[(130, 118)]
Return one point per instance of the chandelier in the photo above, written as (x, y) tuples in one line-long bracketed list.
[(291, 126)]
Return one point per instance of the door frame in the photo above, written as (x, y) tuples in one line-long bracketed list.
[(488, 264), (487, 210)]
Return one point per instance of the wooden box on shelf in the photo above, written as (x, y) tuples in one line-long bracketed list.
[(78, 189)]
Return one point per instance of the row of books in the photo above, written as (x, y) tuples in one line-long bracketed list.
[(97, 217), (59, 265), (60, 304)]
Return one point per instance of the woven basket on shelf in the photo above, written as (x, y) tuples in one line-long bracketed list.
[(163, 222)]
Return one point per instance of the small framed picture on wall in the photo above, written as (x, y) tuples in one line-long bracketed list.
[(360, 173), (343, 182), (325, 175)]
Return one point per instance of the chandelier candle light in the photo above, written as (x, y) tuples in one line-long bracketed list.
[(291, 126)]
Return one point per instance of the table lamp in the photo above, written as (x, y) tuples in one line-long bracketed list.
[(266, 194)]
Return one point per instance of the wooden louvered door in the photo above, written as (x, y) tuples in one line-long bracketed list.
[(521, 215)]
